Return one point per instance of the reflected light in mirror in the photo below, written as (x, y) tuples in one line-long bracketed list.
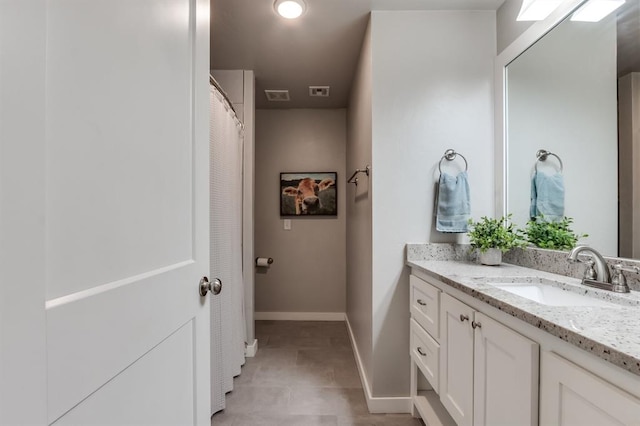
[(596, 10), (537, 10)]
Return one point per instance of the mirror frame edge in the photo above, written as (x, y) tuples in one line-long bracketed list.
[(525, 40)]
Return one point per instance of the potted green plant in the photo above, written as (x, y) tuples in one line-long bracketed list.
[(492, 237), (552, 235)]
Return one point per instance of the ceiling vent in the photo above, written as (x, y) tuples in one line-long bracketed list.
[(277, 95), (319, 91)]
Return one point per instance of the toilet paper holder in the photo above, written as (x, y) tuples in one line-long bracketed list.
[(264, 261)]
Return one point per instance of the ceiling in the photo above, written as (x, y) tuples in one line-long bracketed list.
[(319, 49), (629, 38)]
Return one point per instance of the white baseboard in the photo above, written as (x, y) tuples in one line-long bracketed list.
[(300, 316), (251, 349), (377, 404)]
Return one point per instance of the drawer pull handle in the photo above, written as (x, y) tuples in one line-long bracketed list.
[(419, 349), (422, 302), (476, 324), (464, 317)]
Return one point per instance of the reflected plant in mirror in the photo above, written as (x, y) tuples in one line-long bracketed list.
[(554, 235)]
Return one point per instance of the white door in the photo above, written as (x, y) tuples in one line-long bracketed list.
[(456, 359), (505, 376), (573, 396), (104, 195)]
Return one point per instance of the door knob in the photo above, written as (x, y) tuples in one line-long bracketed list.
[(206, 286)]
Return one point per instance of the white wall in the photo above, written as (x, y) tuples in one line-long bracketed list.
[(248, 197), (359, 249), (232, 83), (309, 269), (562, 99), (432, 89)]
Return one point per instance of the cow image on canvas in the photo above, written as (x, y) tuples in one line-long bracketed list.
[(308, 194)]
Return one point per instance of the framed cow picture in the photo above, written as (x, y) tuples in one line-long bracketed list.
[(309, 194)]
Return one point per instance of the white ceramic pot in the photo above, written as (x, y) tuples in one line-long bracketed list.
[(492, 257)]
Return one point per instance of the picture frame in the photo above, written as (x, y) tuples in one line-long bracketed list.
[(308, 194)]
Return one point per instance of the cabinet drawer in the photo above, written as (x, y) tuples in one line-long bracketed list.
[(426, 353), (425, 305)]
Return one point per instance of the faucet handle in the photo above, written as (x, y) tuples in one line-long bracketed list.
[(618, 267), (618, 276), (619, 281), (590, 272)]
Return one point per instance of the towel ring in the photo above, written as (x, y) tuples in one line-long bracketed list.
[(450, 155), (542, 154)]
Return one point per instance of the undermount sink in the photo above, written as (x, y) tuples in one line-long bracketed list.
[(547, 292)]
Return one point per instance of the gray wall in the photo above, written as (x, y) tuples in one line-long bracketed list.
[(359, 249), (508, 29), (309, 272)]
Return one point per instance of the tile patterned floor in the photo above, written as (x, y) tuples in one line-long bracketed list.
[(304, 374)]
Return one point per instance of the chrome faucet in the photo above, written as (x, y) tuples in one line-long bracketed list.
[(597, 273), (601, 269)]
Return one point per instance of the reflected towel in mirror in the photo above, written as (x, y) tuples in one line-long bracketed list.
[(453, 206), (547, 196)]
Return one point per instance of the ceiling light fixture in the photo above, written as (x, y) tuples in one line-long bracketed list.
[(290, 9), (537, 10), (596, 10)]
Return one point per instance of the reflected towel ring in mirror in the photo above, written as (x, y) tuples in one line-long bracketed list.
[(542, 154), (450, 155)]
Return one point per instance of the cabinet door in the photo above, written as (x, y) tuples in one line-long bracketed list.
[(572, 396), (456, 359), (505, 376)]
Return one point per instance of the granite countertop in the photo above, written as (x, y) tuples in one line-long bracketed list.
[(609, 332)]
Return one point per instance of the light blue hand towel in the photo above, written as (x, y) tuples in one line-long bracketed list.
[(453, 208), (547, 196)]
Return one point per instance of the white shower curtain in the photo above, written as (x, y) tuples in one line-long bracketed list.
[(228, 331)]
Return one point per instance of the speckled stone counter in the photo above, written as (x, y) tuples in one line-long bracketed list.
[(611, 333), (553, 261)]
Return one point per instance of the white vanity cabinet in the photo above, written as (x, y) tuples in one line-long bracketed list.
[(489, 373), (573, 396), (486, 374), (501, 364)]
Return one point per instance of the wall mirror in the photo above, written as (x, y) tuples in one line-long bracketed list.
[(576, 93)]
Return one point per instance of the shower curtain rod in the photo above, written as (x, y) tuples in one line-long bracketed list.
[(215, 84)]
